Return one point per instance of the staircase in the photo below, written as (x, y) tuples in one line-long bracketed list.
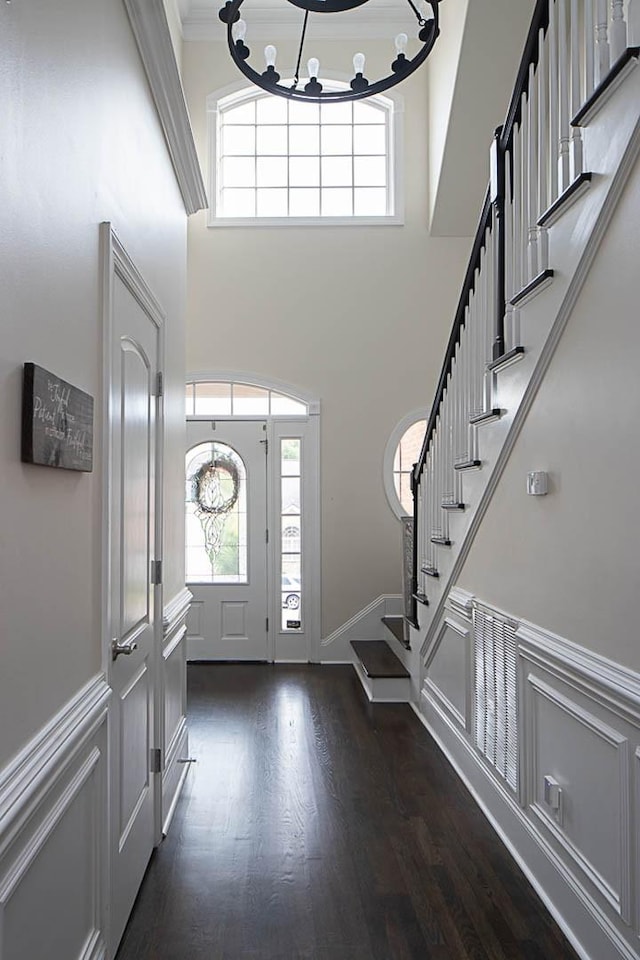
[(559, 164)]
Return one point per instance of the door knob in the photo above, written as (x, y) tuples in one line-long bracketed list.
[(125, 648)]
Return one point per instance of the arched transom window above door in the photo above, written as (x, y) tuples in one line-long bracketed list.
[(225, 398)]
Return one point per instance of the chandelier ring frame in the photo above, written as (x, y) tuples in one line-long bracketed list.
[(270, 81)]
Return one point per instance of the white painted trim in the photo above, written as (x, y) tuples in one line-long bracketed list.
[(151, 31), (178, 636), (611, 684), (383, 689), (620, 900), (608, 93), (465, 633), (240, 91), (420, 413), (460, 602), (94, 948), (586, 925), (11, 880), (346, 627), (41, 762), (175, 611), (445, 703)]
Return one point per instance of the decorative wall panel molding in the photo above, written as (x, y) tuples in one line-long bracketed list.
[(175, 611), (53, 837), (26, 779), (460, 602), (575, 824), (175, 736), (595, 833), (151, 31), (448, 672)]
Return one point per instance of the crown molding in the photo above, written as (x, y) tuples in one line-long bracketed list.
[(151, 31)]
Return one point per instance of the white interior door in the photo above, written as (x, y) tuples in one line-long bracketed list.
[(135, 352), (226, 539)]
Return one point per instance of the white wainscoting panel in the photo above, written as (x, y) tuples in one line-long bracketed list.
[(448, 671), (53, 838), (589, 759), (579, 727)]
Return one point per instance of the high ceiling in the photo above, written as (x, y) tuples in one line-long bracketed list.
[(280, 18)]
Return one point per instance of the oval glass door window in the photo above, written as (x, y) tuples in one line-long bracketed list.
[(215, 515)]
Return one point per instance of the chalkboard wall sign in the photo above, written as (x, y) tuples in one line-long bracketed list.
[(57, 422)]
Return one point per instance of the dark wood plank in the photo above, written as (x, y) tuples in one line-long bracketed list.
[(317, 826), (378, 659)]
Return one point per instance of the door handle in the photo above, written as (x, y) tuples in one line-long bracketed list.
[(126, 648)]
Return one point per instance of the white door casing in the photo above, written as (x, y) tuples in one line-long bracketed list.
[(231, 617), (302, 645), (132, 603)]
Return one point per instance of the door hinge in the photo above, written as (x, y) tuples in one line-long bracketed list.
[(155, 760), (159, 384), (266, 536), (267, 624), (156, 572)]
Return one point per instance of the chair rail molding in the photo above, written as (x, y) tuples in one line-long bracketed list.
[(26, 779), (53, 837), (151, 32), (175, 611)]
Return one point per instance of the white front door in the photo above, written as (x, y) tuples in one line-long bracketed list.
[(226, 539), (134, 344)]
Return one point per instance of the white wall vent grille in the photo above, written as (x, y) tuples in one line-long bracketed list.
[(496, 692)]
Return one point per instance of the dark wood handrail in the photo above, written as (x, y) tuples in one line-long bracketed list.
[(540, 21), (458, 324)]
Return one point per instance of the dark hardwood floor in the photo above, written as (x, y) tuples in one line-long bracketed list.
[(315, 825)]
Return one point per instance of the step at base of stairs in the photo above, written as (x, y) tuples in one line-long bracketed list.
[(382, 675)]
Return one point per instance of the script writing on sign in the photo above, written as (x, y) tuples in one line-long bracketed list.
[(57, 422)]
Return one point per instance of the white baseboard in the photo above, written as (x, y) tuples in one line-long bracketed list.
[(364, 625)]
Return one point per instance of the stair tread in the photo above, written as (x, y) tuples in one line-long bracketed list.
[(378, 659), (396, 625)]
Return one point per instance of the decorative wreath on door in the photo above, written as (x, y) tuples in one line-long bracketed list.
[(207, 485)]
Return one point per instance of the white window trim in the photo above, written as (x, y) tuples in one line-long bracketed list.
[(389, 456), (395, 153)]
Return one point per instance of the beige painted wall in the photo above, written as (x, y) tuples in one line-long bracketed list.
[(358, 316), (568, 561), (471, 76), (79, 144)]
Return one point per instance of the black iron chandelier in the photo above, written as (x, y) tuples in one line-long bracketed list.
[(311, 90)]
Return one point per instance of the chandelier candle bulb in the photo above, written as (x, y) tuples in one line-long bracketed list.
[(239, 30), (359, 87)]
